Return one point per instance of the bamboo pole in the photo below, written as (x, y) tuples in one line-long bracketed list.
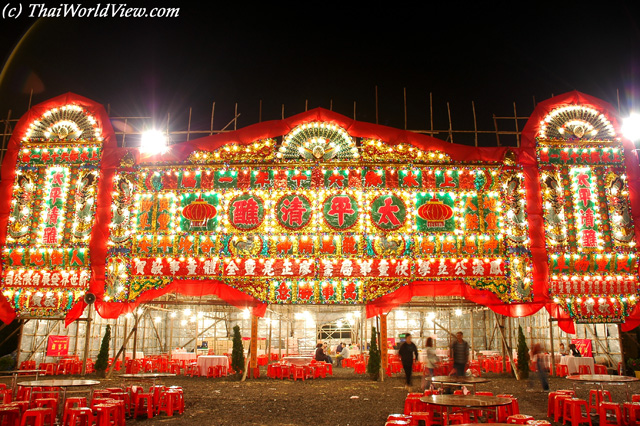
[(87, 340), (553, 358), (504, 347), (21, 330), (121, 351)]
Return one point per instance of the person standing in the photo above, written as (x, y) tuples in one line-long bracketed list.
[(407, 351), (459, 352)]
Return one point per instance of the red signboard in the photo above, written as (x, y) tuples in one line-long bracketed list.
[(583, 346), (58, 346)]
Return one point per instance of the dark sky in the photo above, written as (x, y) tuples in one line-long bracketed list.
[(491, 53)]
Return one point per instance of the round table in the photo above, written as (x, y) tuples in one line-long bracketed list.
[(186, 356), (206, 361), (466, 401), (298, 360), (62, 384), (25, 373), (459, 381), (601, 379)]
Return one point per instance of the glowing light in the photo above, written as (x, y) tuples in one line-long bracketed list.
[(458, 312), (153, 142), (631, 127)]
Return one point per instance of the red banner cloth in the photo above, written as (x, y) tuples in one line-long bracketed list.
[(58, 346), (583, 346)]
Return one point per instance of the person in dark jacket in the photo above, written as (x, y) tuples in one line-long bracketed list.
[(573, 351), (407, 351), (320, 355)]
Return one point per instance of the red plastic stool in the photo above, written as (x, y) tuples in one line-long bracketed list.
[(48, 403), (425, 416), (519, 419), (550, 405), (138, 403), (170, 402), (10, 415), (106, 414), (539, 423), (596, 397), (22, 405), (82, 414), (600, 369), (298, 373), (573, 412), (39, 416), (5, 396), (112, 390), (562, 370), (584, 369), (604, 408), (458, 418), (413, 403), (402, 417), (558, 406), (631, 412), (101, 393), (79, 402), (397, 423), (124, 397)]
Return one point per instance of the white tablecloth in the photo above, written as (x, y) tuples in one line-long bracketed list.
[(187, 356), (297, 360), (573, 362), (139, 355), (442, 352), (489, 353), (206, 361)]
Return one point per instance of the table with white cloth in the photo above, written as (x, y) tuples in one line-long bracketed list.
[(297, 360), (573, 363), (186, 356), (206, 361), (489, 353), (442, 352)]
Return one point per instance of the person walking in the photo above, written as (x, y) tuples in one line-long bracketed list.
[(459, 352), (407, 351), (430, 364), (536, 355)]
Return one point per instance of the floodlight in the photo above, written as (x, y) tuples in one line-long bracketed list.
[(631, 127), (458, 312), (173, 314), (158, 319), (153, 142)]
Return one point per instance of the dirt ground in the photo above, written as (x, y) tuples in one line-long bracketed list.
[(346, 399)]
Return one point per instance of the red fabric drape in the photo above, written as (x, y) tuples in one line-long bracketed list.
[(458, 288), (195, 288)]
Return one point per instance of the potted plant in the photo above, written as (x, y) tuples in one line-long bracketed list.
[(237, 353), (103, 357), (373, 366), (634, 364), (523, 355)]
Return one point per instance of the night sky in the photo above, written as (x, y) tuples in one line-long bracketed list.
[(493, 54)]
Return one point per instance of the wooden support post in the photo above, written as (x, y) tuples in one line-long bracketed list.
[(171, 336), (473, 345), (21, 328), (553, 358), (269, 342), (504, 348), (280, 337), (124, 341), (124, 345), (253, 363), (135, 334), (384, 347), (624, 367), (75, 345), (87, 340)]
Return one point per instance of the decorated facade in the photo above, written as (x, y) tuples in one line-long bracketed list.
[(321, 209)]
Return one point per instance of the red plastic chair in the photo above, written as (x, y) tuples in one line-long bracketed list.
[(519, 419), (39, 416), (170, 402), (558, 406), (584, 369), (606, 407), (297, 372), (600, 369), (10, 415), (631, 413), (106, 414), (596, 397), (562, 370), (572, 412), (83, 415)]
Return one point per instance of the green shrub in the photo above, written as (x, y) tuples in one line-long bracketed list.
[(373, 367)]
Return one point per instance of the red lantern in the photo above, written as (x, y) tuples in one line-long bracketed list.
[(435, 212), (199, 212)]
